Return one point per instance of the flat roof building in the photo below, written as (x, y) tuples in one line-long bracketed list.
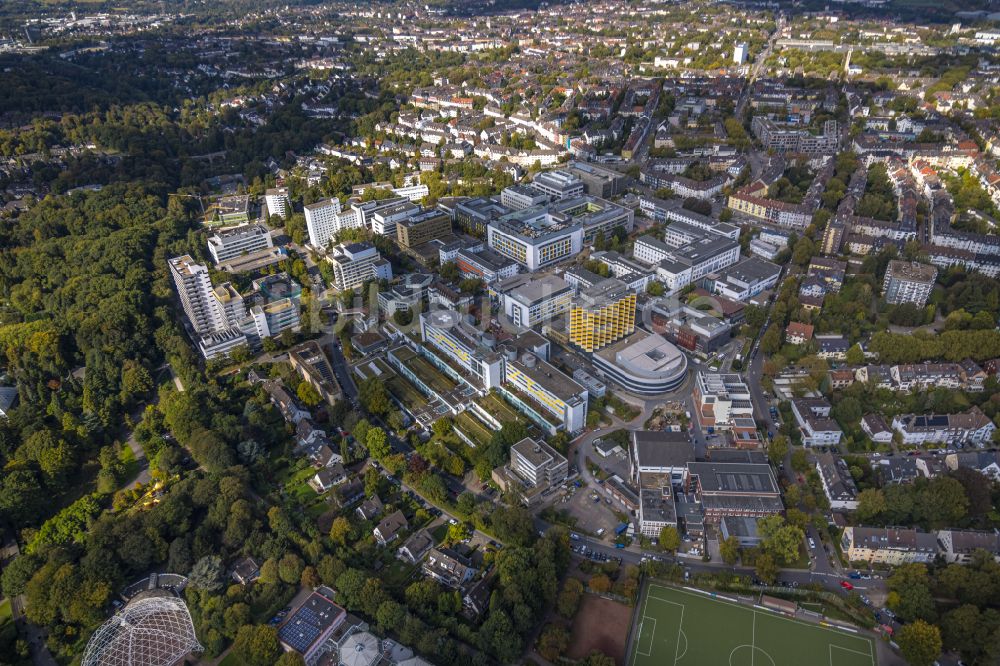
[(598, 181), (558, 184), (602, 314), (642, 363), (908, 282), (534, 238), (538, 463), (355, 263), (528, 300)]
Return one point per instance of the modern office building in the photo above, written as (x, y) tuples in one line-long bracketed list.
[(558, 184), (232, 242), (734, 489), (485, 264), (690, 328), (383, 219), (528, 300), (642, 363), (515, 367), (908, 282), (366, 209), (538, 463), (354, 263), (534, 238), (550, 398), (462, 348), (596, 216), (519, 197), (745, 279), (601, 315), (422, 227), (277, 202), (723, 401), (678, 267), (597, 180), (474, 215), (194, 287)]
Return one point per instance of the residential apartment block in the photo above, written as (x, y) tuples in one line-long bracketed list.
[(790, 140), (888, 545), (277, 202), (971, 427), (812, 415), (194, 287), (325, 219), (908, 282)]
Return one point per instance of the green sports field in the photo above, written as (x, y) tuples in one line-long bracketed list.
[(675, 626)]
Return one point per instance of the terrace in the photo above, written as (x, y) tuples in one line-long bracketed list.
[(473, 429)]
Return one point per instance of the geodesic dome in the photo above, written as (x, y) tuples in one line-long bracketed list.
[(152, 630)]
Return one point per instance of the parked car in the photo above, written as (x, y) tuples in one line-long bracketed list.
[(855, 575)]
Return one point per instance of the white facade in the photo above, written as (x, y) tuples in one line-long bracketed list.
[(355, 263), (233, 242), (277, 202), (325, 219), (740, 53), (538, 251), (194, 287)]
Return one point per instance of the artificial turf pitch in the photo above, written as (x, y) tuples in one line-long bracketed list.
[(675, 626)]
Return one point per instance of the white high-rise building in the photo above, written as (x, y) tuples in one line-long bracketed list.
[(278, 203), (354, 263), (194, 286), (740, 53), (325, 219)]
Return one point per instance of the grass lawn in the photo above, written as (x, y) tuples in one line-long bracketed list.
[(473, 429), (676, 626), (498, 407), (433, 377), (406, 393), (439, 532), (297, 486), (397, 573), (230, 660)]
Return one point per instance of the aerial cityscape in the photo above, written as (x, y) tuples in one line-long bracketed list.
[(450, 332)]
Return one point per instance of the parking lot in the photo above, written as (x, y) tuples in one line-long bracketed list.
[(592, 516)]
